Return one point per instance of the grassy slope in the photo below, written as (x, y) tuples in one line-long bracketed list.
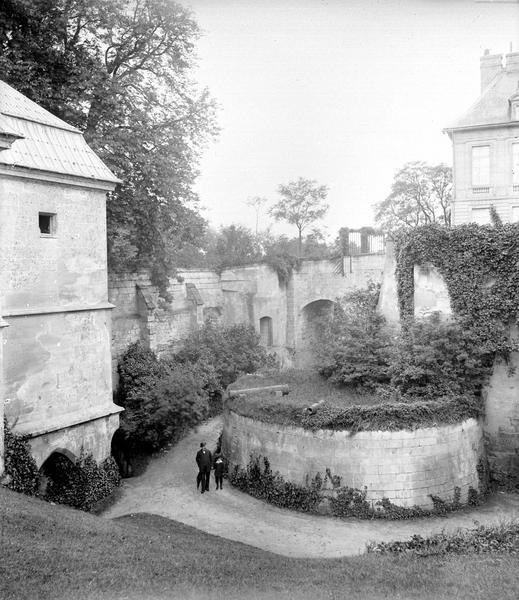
[(54, 552)]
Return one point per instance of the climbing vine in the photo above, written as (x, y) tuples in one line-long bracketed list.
[(480, 266)]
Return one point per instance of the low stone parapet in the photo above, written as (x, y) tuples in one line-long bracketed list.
[(406, 467)]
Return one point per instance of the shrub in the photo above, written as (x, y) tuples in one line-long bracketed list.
[(20, 467), (264, 484), (230, 351), (351, 502), (479, 266), (395, 415), (484, 539), (137, 365), (82, 484), (158, 409), (345, 502), (355, 345), (163, 397), (436, 358)]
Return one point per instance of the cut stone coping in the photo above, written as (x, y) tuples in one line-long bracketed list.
[(405, 467)]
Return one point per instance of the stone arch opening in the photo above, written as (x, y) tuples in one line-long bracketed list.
[(266, 331), (121, 453), (56, 473), (313, 316)]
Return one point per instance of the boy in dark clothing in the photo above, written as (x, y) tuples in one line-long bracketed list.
[(218, 469), (204, 461)]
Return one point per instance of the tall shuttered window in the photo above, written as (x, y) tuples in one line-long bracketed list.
[(515, 166), (481, 167)]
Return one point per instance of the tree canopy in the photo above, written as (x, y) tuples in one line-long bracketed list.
[(120, 71), (302, 203), (420, 194)]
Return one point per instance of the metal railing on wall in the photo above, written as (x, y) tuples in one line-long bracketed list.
[(360, 242)]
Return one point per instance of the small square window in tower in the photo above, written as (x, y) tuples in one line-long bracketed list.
[(47, 224)]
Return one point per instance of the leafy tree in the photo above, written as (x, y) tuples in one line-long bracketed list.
[(302, 203), (235, 245), (420, 194), (231, 351), (159, 409), (119, 70), (160, 397), (257, 203)]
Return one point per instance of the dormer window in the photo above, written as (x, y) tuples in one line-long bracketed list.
[(514, 105)]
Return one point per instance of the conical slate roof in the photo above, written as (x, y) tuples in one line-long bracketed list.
[(45, 142)]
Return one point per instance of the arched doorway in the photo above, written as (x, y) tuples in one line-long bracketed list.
[(313, 317), (266, 334), (121, 453), (56, 474)]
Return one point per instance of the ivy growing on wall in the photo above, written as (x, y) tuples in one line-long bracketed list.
[(480, 266)]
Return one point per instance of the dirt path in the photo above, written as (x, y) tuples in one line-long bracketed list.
[(168, 488)]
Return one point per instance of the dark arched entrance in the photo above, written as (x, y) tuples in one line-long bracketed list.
[(56, 474), (313, 317)]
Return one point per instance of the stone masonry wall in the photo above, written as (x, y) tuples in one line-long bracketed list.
[(93, 437), (403, 466), (501, 425), (502, 420), (55, 316), (240, 295)]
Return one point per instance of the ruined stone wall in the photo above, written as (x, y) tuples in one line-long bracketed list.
[(502, 420), (501, 425), (318, 281), (430, 292), (128, 323), (403, 466), (388, 299), (240, 295), (140, 314)]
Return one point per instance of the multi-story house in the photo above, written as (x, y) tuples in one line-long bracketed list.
[(486, 146)]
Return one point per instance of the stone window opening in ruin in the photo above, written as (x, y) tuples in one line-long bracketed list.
[(266, 336), (47, 224)]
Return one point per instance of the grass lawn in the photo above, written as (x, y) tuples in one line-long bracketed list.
[(306, 387), (53, 552)]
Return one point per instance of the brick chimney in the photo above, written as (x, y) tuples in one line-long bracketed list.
[(491, 65), (512, 62)]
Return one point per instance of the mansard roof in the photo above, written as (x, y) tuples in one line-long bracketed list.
[(39, 141), (493, 106)]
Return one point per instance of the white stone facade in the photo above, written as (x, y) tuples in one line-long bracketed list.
[(55, 331), (486, 146)]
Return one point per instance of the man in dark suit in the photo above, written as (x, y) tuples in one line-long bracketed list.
[(204, 460)]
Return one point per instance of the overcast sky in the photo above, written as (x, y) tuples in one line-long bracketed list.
[(341, 91)]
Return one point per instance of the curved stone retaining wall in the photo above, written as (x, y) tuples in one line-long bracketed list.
[(403, 466)]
